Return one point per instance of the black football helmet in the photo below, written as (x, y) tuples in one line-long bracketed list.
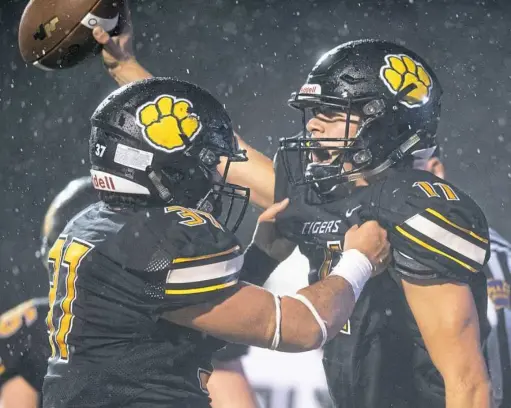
[(75, 197), (158, 142), (396, 96)]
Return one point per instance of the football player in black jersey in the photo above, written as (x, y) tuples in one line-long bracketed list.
[(414, 340), (145, 283)]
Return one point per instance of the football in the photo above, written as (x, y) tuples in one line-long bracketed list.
[(57, 34)]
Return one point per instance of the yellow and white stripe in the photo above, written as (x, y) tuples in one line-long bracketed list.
[(446, 238), (208, 278)]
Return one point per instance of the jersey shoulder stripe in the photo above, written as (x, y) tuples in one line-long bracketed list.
[(443, 231), (439, 240), (206, 273)]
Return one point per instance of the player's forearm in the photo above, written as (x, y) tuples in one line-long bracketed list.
[(129, 71), (249, 316), (468, 395), (334, 301)]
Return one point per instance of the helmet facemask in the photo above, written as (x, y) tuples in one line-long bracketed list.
[(361, 156), (201, 186)]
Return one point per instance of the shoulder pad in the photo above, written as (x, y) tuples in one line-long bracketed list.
[(434, 223), (205, 258)]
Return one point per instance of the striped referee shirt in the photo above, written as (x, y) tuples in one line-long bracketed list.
[(498, 345)]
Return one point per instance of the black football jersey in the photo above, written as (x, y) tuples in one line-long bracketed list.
[(24, 346), (114, 273), (437, 233)]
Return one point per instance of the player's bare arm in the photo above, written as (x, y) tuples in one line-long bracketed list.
[(252, 315), (452, 340)]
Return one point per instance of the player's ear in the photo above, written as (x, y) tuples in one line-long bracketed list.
[(436, 167)]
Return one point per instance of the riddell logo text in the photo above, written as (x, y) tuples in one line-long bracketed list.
[(103, 183), (310, 89)]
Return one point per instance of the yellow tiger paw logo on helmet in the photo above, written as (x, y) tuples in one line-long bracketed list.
[(401, 71), (166, 121)]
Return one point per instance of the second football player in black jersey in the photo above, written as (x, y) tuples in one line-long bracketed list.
[(371, 110)]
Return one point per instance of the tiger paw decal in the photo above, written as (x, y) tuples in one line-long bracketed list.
[(166, 121), (401, 71)]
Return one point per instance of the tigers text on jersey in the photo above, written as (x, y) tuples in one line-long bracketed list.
[(24, 346), (437, 232), (114, 273)]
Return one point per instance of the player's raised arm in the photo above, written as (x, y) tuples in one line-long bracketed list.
[(251, 315), (256, 173)]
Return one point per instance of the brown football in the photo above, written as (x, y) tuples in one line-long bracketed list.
[(56, 34)]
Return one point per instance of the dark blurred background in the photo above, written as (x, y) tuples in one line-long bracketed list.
[(252, 55)]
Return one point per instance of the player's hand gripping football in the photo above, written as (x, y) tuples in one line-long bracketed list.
[(371, 240), (267, 237), (117, 53), (117, 49)]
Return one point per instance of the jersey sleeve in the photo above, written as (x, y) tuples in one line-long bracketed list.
[(436, 230), (24, 347), (189, 258)]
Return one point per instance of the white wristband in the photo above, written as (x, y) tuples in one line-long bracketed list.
[(355, 268), (278, 317), (321, 322)]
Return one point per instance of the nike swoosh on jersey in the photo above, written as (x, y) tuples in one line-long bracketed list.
[(349, 212)]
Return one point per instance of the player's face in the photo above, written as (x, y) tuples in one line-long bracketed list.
[(331, 124)]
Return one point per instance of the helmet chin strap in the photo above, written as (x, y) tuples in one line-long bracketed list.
[(394, 157), (155, 178)]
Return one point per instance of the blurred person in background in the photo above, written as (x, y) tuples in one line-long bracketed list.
[(24, 345), (23, 351), (498, 346)]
